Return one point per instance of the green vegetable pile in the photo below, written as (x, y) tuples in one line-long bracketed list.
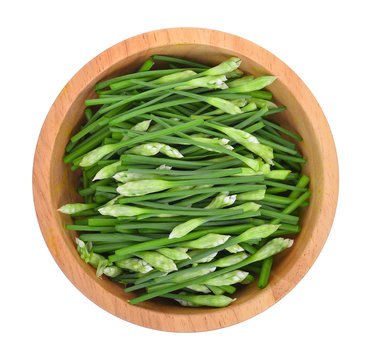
[(188, 188)]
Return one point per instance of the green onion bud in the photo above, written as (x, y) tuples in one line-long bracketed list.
[(193, 273), (230, 260), (148, 149), (107, 171), (121, 210), (225, 67), (125, 176), (177, 253), (157, 260), (97, 154), (250, 142), (261, 103), (258, 232), (222, 200), (205, 259), (240, 82), (207, 241), (213, 141), (239, 102), (143, 187), (94, 259), (249, 206), (170, 151), (234, 249), (142, 126), (229, 278), (224, 105), (187, 303), (176, 77), (75, 208), (256, 84), (271, 248), (112, 271), (210, 82), (134, 264), (234, 74), (101, 267), (186, 299), (185, 228), (82, 250)]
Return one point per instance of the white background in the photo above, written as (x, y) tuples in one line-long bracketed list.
[(44, 43)]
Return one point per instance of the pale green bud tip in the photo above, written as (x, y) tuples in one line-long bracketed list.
[(121, 210), (230, 278), (143, 187), (212, 82), (101, 267), (174, 253), (75, 208), (222, 200), (249, 206), (235, 62), (175, 77), (207, 241), (187, 299), (134, 264), (272, 247), (185, 228), (148, 149), (79, 242), (112, 271), (97, 154), (225, 67), (171, 151), (107, 171), (224, 105), (142, 126), (270, 79), (158, 261), (234, 249)]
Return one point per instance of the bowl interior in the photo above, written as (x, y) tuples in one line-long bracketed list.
[(64, 182)]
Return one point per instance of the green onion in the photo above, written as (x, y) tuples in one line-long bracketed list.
[(184, 181)]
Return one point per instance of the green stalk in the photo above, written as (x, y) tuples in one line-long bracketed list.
[(147, 65), (168, 194), (265, 272), (302, 183), (179, 61)]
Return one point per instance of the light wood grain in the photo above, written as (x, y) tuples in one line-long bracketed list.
[(54, 184)]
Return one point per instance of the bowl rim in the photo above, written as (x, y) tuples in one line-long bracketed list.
[(46, 214)]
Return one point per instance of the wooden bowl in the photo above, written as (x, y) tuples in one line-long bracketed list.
[(54, 184)]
